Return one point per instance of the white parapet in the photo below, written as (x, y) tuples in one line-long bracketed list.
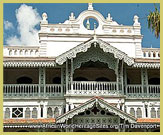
[(21, 51)]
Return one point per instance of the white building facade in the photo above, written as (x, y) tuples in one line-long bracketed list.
[(81, 76)]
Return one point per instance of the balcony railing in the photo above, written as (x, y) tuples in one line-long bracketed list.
[(31, 90), (150, 91), (53, 90), (79, 88), (93, 88)]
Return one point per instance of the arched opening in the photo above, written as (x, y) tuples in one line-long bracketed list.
[(90, 23), (56, 112), (27, 113), (94, 71), (132, 111), (57, 80), (102, 79), (7, 113), (154, 81), (139, 113), (80, 79), (153, 113), (49, 112), (24, 80), (34, 113)]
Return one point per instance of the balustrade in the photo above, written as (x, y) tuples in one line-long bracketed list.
[(15, 51), (151, 53), (31, 90), (79, 88), (135, 91), (93, 88), (53, 90), (20, 90)]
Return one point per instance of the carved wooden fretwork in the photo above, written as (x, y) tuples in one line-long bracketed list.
[(85, 46), (95, 54), (89, 104)]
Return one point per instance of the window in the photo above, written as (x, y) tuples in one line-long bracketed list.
[(132, 112), (24, 80), (34, 113), (153, 113), (139, 113), (49, 112), (7, 113), (27, 113), (17, 112), (158, 113), (41, 111), (56, 112), (146, 111)]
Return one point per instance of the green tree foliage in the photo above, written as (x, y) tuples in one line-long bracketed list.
[(154, 22)]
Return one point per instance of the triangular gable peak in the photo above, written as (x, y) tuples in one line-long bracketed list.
[(106, 47), (89, 104)]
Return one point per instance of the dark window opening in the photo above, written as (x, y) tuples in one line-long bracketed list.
[(102, 79), (80, 79), (57, 80), (24, 80), (41, 111), (154, 81), (146, 112)]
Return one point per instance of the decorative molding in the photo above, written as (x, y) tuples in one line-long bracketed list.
[(95, 54), (29, 64), (74, 112), (85, 46), (146, 65), (90, 104)]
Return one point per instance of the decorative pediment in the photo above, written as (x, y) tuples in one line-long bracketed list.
[(106, 47), (89, 104)]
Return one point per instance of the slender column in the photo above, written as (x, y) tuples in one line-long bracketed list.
[(72, 74), (42, 87), (121, 75), (67, 76), (144, 81), (125, 80), (117, 75), (62, 81), (67, 107)]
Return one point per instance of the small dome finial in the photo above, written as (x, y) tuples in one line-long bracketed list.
[(90, 7), (44, 18), (72, 17), (136, 20)]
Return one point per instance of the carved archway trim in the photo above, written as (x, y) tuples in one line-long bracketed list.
[(95, 54), (106, 47)]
